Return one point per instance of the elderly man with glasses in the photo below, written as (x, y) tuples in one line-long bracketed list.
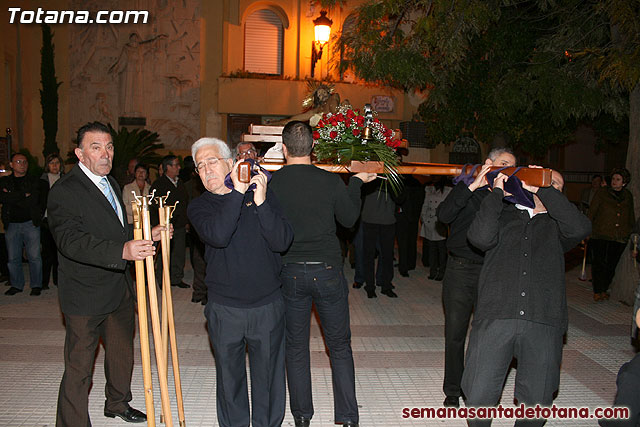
[(244, 232)]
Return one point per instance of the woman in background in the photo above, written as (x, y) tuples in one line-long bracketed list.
[(139, 186), (433, 232), (52, 172), (612, 216)]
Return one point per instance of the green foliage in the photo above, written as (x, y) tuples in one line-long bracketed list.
[(49, 92), (139, 143), (499, 67)]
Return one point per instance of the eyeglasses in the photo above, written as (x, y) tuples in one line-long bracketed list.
[(210, 162), (247, 153), (21, 162)]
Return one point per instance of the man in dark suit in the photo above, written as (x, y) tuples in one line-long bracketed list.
[(171, 184), (88, 222)]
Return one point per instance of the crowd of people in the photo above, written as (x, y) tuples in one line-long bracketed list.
[(265, 250)]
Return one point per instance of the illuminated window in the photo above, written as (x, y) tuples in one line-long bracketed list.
[(263, 42)]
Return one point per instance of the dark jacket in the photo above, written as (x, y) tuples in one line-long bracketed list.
[(523, 272), (24, 196), (179, 194), (243, 243), (458, 210), (90, 239), (611, 213)]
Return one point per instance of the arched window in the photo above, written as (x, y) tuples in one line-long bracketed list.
[(263, 42)]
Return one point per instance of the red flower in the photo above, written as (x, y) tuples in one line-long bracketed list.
[(340, 117), (376, 121), (360, 121), (333, 134), (320, 124), (347, 123), (393, 144), (350, 114), (333, 121), (316, 135), (388, 133), (355, 132)]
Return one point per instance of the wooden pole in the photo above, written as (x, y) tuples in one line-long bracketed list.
[(167, 212), (155, 320), (143, 323), (166, 284), (539, 177)]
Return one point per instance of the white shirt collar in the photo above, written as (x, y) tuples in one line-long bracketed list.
[(96, 180), (529, 210), (173, 181)]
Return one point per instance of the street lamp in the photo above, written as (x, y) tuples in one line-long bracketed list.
[(322, 29)]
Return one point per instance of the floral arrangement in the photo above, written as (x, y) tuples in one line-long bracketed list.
[(341, 138)]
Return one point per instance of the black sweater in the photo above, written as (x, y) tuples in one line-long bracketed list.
[(312, 200), (523, 272), (458, 210), (243, 243)]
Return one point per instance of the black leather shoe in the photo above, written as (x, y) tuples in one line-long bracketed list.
[(130, 415), (301, 421), (404, 274), (196, 299), (357, 285), (452, 401), (181, 285), (35, 292), (204, 301), (371, 293), (389, 293), (13, 291)]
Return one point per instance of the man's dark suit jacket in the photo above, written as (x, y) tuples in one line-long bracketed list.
[(90, 238), (162, 186)]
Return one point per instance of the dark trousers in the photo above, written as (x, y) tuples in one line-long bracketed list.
[(407, 235), (459, 292), (326, 286), (83, 334), (437, 256), (199, 267), (384, 234), (49, 255), (627, 394), (492, 346), (606, 254), (260, 330)]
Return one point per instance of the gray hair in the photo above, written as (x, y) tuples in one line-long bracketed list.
[(236, 150), (222, 147), (494, 153)]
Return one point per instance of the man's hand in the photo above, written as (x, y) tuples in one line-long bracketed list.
[(638, 318), (240, 187), (155, 232), (499, 182), (481, 179), (528, 187), (260, 193), (366, 176), (137, 250)]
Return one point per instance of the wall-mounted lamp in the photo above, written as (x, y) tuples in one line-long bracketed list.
[(322, 27)]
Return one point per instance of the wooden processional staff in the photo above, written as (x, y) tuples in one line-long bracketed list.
[(142, 230)]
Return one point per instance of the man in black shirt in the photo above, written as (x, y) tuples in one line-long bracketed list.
[(22, 197), (460, 283), (244, 232), (312, 200), (522, 304)]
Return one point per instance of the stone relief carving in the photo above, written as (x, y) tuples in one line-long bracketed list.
[(142, 70)]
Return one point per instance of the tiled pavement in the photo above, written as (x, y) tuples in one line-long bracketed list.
[(398, 348)]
